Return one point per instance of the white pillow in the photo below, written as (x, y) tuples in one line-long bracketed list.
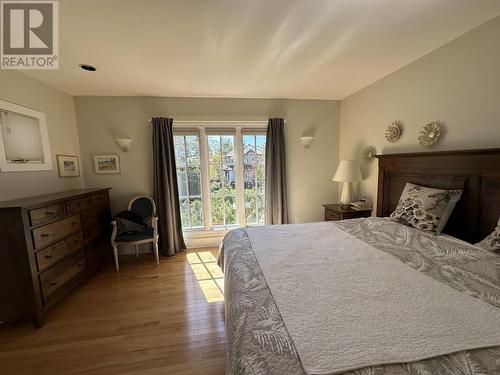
[(425, 208), (492, 242)]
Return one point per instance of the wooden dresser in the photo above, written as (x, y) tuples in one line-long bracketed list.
[(49, 244)]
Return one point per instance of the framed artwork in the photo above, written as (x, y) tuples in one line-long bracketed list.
[(24, 140), (106, 163), (68, 166)]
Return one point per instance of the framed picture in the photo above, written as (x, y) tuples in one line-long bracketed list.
[(108, 163), (68, 166), (24, 140)]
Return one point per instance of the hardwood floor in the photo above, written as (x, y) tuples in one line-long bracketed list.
[(142, 320)]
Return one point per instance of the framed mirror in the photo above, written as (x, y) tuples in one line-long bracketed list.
[(24, 140)]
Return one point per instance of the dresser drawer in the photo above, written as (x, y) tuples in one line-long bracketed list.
[(60, 250), (59, 276), (77, 205), (331, 216), (99, 199), (46, 215), (94, 217), (357, 214), (53, 232)]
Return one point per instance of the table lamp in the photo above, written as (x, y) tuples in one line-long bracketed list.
[(347, 172)]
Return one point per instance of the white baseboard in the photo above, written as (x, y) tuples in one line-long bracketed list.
[(193, 240), (197, 239)]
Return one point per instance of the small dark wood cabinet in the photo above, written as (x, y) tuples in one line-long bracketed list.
[(49, 244), (338, 212)]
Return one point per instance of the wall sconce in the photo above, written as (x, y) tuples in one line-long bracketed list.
[(123, 143), (306, 141)]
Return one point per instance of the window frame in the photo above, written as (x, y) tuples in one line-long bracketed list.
[(256, 194), (238, 128), (221, 133), (7, 165), (186, 133)]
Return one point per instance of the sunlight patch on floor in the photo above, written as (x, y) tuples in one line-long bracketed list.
[(211, 291), (200, 271), (209, 275), (220, 284), (193, 258), (206, 256), (214, 270)]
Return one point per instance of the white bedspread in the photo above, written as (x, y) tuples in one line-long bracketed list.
[(348, 305)]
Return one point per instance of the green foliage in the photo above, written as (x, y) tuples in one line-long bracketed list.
[(195, 206), (223, 206)]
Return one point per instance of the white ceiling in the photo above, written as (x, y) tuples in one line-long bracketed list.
[(314, 49)]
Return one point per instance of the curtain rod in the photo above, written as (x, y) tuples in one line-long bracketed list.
[(217, 122)]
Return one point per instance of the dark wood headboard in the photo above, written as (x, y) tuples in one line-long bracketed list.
[(477, 172)]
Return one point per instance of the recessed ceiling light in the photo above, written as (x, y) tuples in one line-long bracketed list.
[(87, 67)]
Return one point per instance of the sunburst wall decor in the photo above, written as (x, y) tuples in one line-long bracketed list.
[(429, 135), (393, 132), (369, 153)]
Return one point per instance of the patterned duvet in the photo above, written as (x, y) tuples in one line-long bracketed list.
[(258, 342)]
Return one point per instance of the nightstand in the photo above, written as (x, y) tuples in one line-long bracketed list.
[(335, 212)]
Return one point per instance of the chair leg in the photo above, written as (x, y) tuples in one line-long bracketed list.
[(136, 251), (155, 249), (115, 252)]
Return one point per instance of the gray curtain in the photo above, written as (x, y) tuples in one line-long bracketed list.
[(166, 192), (276, 199)]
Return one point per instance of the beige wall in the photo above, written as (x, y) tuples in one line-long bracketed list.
[(102, 119), (458, 84), (61, 123)]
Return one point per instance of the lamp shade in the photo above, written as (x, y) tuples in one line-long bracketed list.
[(306, 141), (348, 171), (123, 143)]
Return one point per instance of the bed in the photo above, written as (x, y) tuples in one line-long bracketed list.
[(372, 296)]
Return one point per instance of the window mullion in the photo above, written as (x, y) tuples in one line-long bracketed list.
[(205, 176), (240, 183)]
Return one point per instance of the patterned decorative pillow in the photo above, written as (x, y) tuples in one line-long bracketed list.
[(425, 208), (492, 242)]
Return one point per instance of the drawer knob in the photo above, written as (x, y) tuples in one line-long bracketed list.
[(73, 223), (52, 283), (48, 256), (45, 235), (49, 212), (76, 241)]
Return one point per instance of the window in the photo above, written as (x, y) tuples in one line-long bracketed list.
[(24, 140), (254, 149), (187, 157), (222, 179), (221, 175)]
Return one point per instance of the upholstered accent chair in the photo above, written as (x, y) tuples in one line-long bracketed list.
[(145, 207)]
